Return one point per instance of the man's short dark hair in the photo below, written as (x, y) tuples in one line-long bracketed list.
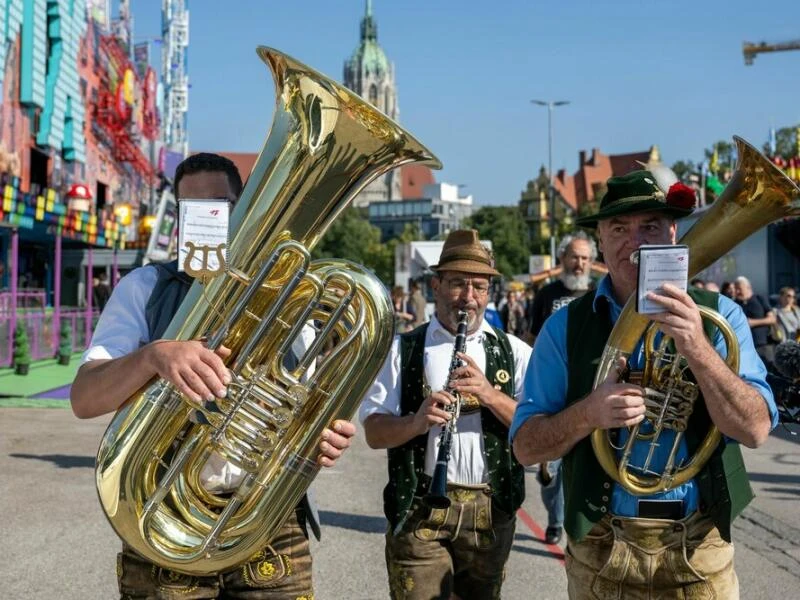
[(208, 162)]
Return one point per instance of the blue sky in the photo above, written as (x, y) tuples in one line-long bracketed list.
[(637, 72)]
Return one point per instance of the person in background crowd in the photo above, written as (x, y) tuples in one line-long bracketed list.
[(576, 252), (674, 544), (530, 298), (698, 283), (403, 315), (726, 289), (434, 553), (513, 314), (712, 286), (417, 304), (760, 317), (788, 314), (100, 291)]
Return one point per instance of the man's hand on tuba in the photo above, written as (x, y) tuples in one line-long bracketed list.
[(334, 441), (197, 372)]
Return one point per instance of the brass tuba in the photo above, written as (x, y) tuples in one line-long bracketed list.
[(758, 194), (324, 146)]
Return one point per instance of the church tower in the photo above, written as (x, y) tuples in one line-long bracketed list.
[(370, 75)]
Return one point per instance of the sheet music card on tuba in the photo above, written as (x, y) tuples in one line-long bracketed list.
[(202, 229), (659, 265)]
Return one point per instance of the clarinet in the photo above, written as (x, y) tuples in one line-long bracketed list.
[(437, 493)]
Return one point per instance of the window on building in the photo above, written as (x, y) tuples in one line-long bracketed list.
[(373, 94), (39, 165), (101, 196)]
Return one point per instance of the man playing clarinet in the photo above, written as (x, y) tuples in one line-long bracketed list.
[(459, 549)]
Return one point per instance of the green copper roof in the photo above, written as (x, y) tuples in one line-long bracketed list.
[(369, 54), (371, 57)]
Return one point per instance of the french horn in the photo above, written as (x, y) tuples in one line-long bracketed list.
[(758, 194)]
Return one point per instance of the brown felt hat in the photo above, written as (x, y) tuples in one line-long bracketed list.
[(463, 251)]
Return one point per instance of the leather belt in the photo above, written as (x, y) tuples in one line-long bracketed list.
[(661, 509)]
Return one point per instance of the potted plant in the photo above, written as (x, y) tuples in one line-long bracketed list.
[(22, 351), (64, 343)]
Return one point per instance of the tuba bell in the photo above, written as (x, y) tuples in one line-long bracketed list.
[(324, 146), (758, 194)]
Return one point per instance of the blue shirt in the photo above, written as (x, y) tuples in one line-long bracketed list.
[(546, 391)]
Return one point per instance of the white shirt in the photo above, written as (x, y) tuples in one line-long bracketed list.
[(467, 464), (122, 329)]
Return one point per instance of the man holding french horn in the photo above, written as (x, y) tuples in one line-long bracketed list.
[(451, 512), (626, 536)]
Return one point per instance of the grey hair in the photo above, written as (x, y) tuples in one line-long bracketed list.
[(741, 279), (577, 235)]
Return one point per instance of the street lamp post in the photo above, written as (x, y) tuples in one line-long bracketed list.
[(550, 187)]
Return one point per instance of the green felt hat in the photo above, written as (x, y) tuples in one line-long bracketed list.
[(638, 192)]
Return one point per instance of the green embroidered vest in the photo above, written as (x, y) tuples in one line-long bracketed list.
[(724, 489), (407, 462)]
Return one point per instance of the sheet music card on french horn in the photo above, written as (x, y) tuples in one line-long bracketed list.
[(659, 265), (203, 236)]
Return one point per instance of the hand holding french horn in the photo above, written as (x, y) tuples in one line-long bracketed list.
[(614, 404)]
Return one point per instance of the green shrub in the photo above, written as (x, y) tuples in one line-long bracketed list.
[(65, 339), (22, 351)]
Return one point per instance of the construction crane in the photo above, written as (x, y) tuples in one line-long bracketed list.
[(750, 50)]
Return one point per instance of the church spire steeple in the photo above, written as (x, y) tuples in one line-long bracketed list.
[(370, 74), (369, 28)]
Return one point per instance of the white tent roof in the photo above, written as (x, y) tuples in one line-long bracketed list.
[(425, 254)]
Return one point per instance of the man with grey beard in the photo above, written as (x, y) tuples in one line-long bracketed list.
[(576, 252)]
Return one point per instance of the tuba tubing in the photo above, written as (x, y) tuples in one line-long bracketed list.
[(325, 145), (758, 194)]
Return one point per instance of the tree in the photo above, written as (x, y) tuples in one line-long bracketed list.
[(725, 156), (785, 143), (352, 237), (64, 343), (684, 168), (22, 351), (506, 230)]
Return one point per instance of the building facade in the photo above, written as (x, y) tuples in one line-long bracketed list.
[(76, 115), (439, 211), (575, 193), (534, 206)]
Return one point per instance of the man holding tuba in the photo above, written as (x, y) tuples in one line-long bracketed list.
[(675, 541), (462, 548), (126, 352)]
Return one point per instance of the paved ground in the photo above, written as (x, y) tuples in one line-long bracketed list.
[(56, 543)]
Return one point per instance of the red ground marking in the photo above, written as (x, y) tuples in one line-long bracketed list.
[(553, 549)]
